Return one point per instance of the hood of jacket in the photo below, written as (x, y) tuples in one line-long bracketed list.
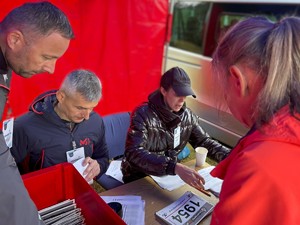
[(171, 119), (44, 105)]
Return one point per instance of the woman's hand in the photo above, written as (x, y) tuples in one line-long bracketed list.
[(190, 176)]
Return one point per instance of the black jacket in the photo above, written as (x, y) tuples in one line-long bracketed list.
[(150, 139), (46, 138)]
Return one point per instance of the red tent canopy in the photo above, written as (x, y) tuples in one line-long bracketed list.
[(121, 41)]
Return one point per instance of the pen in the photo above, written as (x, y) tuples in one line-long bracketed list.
[(205, 192)]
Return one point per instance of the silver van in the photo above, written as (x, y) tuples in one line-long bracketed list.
[(196, 28)]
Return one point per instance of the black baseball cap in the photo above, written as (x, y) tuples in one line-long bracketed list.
[(178, 80)]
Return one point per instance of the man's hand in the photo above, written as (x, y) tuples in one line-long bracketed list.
[(92, 170), (190, 176)]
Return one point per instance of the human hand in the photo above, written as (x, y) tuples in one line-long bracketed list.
[(92, 170), (190, 176)]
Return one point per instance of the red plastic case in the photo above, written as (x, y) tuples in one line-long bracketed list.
[(55, 184)]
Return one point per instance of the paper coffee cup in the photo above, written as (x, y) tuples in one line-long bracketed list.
[(201, 154)]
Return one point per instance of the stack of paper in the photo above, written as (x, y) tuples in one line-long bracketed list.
[(64, 212), (133, 208)]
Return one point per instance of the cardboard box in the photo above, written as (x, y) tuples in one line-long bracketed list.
[(55, 184)]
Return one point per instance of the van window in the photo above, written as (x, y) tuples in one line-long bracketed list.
[(196, 28), (197, 25), (188, 25), (228, 19), (228, 14)]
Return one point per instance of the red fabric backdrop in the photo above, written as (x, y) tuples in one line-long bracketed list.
[(120, 40)]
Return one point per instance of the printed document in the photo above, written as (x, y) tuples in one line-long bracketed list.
[(133, 208)]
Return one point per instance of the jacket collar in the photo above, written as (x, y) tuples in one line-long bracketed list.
[(44, 105), (156, 102)]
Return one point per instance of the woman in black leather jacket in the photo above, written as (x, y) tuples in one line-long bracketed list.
[(161, 128)]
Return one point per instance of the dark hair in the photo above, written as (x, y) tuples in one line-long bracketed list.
[(270, 49), (41, 18)]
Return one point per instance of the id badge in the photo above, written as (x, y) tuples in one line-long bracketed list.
[(7, 129), (176, 136), (75, 154)]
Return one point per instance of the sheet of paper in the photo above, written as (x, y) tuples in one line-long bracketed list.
[(114, 170), (133, 208), (171, 182), (211, 183), (80, 168), (168, 182)]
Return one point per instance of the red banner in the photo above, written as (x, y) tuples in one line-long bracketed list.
[(120, 40)]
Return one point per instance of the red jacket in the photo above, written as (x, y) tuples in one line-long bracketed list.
[(261, 176)]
